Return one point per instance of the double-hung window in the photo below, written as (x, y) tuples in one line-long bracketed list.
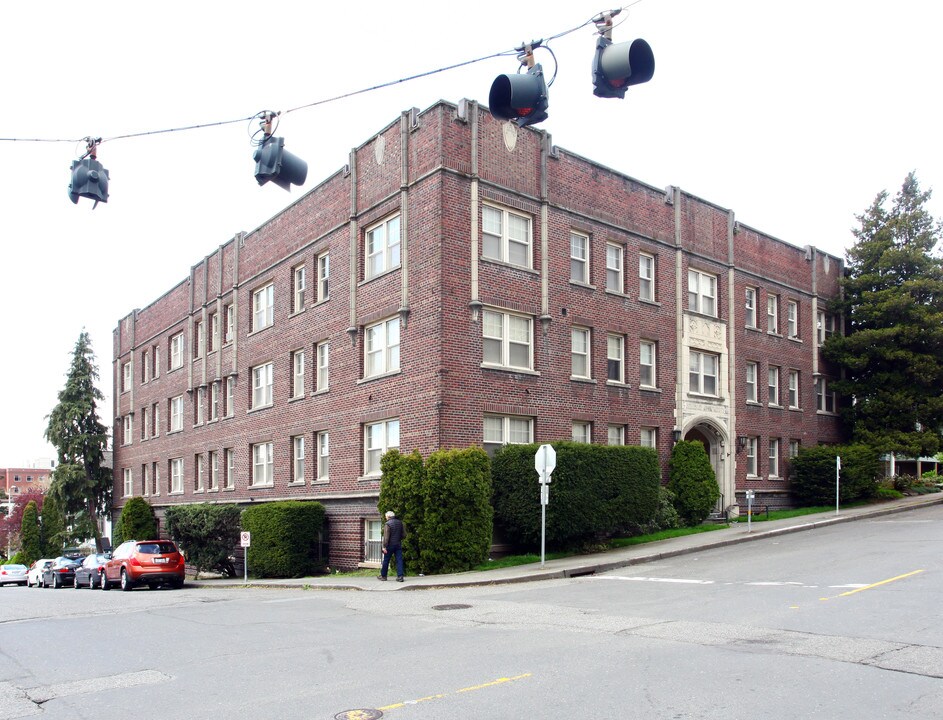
[(199, 405), (262, 385), (750, 376), (702, 293), (579, 258), (774, 457), (616, 434), (750, 305), (614, 265), (377, 439), (506, 430), (772, 313), (324, 456), (127, 434), (199, 339), (230, 323), (792, 319), (128, 489), (263, 307), (615, 358), (773, 385), (752, 469), (214, 469), (176, 351), (582, 431), (648, 437), (229, 456), (198, 476), (176, 476), (126, 377), (298, 285), (794, 389), (262, 465), (214, 401), (507, 340), (505, 236), (647, 376), (298, 459), (646, 277), (702, 373), (580, 352), (230, 396), (176, 413), (298, 374), (323, 353), (213, 338), (381, 348), (382, 245), (825, 398), (324, 276), (825, 326)]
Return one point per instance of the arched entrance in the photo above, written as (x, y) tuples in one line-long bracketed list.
[(714, 440)]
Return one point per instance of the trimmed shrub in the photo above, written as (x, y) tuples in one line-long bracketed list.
[(207, 534), (666, 517), (31, 545), (52, 528), (456, 524), (401, 491), (285, 538), (691, 478), (812, 473), (136, 522)]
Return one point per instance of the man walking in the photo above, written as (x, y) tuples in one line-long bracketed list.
[(393, 533)]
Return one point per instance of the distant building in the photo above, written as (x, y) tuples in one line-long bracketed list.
[(465, 282), (16, 481)]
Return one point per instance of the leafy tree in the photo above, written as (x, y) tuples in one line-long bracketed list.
[(691, 478), (53, 527), (31, 548), (893, 352), (207, 534), (80, 481), (137, 521), (10, 525)]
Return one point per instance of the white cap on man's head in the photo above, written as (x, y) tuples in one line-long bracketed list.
[(389, 514)]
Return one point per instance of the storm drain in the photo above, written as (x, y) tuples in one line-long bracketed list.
[(359, 714), (451, 606)]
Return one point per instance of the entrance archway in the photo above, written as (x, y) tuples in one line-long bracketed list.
[(713, 439)]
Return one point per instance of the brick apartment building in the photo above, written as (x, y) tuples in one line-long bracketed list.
[(465, 282)]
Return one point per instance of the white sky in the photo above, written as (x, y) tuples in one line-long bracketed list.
[(795, 115)]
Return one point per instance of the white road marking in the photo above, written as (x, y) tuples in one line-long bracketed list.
[(651, 579), (83, 687)]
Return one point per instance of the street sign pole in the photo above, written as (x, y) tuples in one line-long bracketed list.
[(750, 495), (837, 474), (245, 539), (545, 460)]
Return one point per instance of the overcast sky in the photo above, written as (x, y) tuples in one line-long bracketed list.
[(794, 115)]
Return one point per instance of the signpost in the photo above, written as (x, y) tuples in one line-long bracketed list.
[(245, 540), (750, 495), (545, 460), (837, 474)]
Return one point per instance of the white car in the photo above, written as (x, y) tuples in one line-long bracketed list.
[(12, 574), (34, 576)]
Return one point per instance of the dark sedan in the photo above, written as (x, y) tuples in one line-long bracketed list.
[(89, 573), (60, 572)]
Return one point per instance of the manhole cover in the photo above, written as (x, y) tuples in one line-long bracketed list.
[(451, 606), (362, 714)]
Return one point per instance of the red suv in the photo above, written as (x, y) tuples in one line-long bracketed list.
[(144, 562)]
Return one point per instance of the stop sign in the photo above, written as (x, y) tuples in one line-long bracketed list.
[(545, 460)]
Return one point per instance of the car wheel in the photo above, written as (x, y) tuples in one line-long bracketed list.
[(91, 581), (105, 584), (177, 583), (56, 582), (75, 583), (101, 582), (125, 580)]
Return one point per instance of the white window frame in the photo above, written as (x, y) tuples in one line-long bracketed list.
[(752, 447), (155, 366), (581, 431), (497, 242), (200, 404), (500, 430), (213, 337), (772, 374), (615, 359), (127, 431), (579, 257), (702, 292), (698, 378), (155, 479), (792, 319), (648, 367), (263, 465), (581, 353), (230, 323), (126, 377), (503, 333), (824, 396), (752, 393), (381, 347), (615, 268), (176, 414), (324, 276), (298, 374), (214, 469), (298, 459), (324, 456), (128, 483), (381, 247), (176, 351), (646, 277), (199, 339), (229, 456), (378, 437), (794, 446), (145, 422), (230, 396), (648, 437), (750, 295), (145, 480), (773, 469), (825, 326), (145, 366), (214, 401), (323, 352), (298, 287), (263, 307), (794, 398), (198, 471), (772, 313), (176, 476), (263, 381), (615, 434)]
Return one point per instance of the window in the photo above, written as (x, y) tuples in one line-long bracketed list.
[(230, 396), (792, 319), (214, 332), (298, 459), (176, 413), (793, 448), (825, 398), (647, 376), (155, 420), (126, 437), (155, 366), (381, 348), (646, 277), (579, 258), (145, 480), (377, 439), (229, 455), (214, 401), (126, 377), (825, 326), (323, 360), (615, 354), (505, 236), (774, 457), (298, 288), (263, 307), (176, 351), (382, 245), (582, 432), (616, 434), (324, 276), (262, 386), (145, 422), (773, 374), (750, 376), (198, 477), (614, 255), (155, 479), (507, 340), (580, 352), (751, 457), (176, 476), (702, 293), (506, 430), (199, 404), (145, 366), (702, 374), (648, 437), (262, 465), (214, 469), (199, 339), (750, 320), (128, 489), (298, 374), (794, 388), (772, 313), (230, 323), (324, 456)]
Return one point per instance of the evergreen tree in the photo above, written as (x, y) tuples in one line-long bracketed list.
[(80, 482), (892, 354), (53, 527), (31, 548)]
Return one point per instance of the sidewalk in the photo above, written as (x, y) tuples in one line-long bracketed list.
[(578, 565)]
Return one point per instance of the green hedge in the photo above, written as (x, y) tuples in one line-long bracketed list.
[(136, 522), (401, 491), (285, 538), (595, 491), (693, 482), (812, 473), (207, 534)]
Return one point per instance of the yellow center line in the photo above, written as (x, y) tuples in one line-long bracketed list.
[(883, 582), (498, 681)]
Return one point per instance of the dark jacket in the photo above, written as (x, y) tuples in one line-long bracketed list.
[(393, 532)]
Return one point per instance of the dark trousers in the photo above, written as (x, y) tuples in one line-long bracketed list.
[(393, 550)]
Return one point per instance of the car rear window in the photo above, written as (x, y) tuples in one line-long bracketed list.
[(158, 548), (12, 568)]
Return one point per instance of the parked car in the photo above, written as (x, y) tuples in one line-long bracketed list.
[(145, 562), (89, 574), (34, 576), (13, 574), (60, 572)]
